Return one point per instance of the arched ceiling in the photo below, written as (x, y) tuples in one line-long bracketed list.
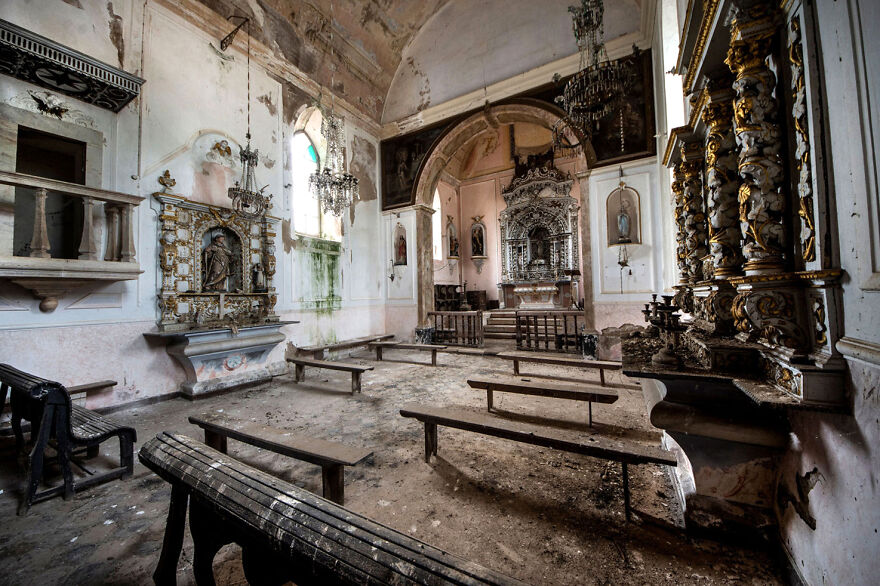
[(392, 58), (468, 45)]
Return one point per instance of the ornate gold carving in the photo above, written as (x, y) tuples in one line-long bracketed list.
[(709, 9), (721, 188), (761, 203), (696, 238), (680, 235), (802, 150), (819, 321)]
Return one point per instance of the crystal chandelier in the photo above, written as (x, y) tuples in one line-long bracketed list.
[(334, 188), (247, 200), (599, 86)]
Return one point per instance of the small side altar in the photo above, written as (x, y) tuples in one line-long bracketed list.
[(549, 294), (217, 299)]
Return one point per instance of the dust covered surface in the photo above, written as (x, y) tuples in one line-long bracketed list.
[(539, 515)]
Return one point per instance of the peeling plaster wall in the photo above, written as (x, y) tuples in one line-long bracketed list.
[(194, 97), (845, 501), (496, 39)]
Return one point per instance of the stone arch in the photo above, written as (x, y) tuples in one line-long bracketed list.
[(458, 136)]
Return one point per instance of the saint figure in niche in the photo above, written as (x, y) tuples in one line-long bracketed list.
[(623, 222), (217, 260), (453, 245), (400, 250), (477, 241)]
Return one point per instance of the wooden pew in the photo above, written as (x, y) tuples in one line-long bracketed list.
[(332, 457), (285, 533), (379, 346), (601, 365), (47, 405), (356, 370), (317, 350), (555, 390), (619, 450)]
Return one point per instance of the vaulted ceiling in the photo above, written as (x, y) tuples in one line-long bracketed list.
[(392, 58)]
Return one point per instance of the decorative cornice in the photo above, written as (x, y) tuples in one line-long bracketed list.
[(35, 59), (674, 137), (859, 349), (710, 7)]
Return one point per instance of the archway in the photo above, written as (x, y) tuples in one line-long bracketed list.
[(461, 136)]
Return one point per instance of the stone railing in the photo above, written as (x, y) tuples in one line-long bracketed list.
[(48, 278)]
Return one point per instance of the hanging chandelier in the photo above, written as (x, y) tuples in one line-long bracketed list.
[(334, 188), (247, 200), (599, 86)]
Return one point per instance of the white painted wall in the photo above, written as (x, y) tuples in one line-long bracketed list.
[(192, 97)]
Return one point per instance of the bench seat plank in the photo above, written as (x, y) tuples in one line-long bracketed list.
[(599, 447), (379, 346), (556, 390), (557, 360), (309, 449), (330, 364), (560, 360), (623, 451), (356, 370), (343, 345), (291, 532)]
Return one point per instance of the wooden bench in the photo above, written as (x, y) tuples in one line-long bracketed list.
[(379, 346), (332, 457), (518, 357), (543, 389), (356, 370), (317, 350), (47, 405), (623, 451), (285, 533)]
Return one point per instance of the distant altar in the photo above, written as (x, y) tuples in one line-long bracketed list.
[(539, 232)]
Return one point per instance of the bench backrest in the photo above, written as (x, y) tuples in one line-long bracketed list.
[(36, 391), (324, 542)]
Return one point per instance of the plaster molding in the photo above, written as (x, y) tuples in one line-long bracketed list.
[(859, 349)]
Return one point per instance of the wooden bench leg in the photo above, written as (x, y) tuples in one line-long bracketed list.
[(209, 536), (62, 416), (489, 399), (93, 451), (166, 570), (602, 376), (590, 418), (516, 367), (430, 440), (378, 352), (355, 382), (299, 373), (215, 440), (333, 476), (433, 358), (35, 462), (626, 491), (126, 454)]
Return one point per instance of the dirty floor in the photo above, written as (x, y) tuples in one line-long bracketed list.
[(536, 514)]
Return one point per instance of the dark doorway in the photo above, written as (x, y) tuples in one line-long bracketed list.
[(53, 157)]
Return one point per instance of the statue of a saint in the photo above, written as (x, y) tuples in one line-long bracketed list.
[(217, 259), (259, 277), (623, 222), (453, 245), (477, 248)]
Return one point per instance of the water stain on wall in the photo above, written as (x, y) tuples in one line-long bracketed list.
[(74, 3), (266, 100), (363, 166), (116, 38)]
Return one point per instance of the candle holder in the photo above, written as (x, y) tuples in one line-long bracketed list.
[(662, 315)]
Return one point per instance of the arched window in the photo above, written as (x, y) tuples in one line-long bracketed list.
[(437, 227), (308, 218)]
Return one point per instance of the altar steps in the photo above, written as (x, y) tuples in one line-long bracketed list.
[(501, 325)]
